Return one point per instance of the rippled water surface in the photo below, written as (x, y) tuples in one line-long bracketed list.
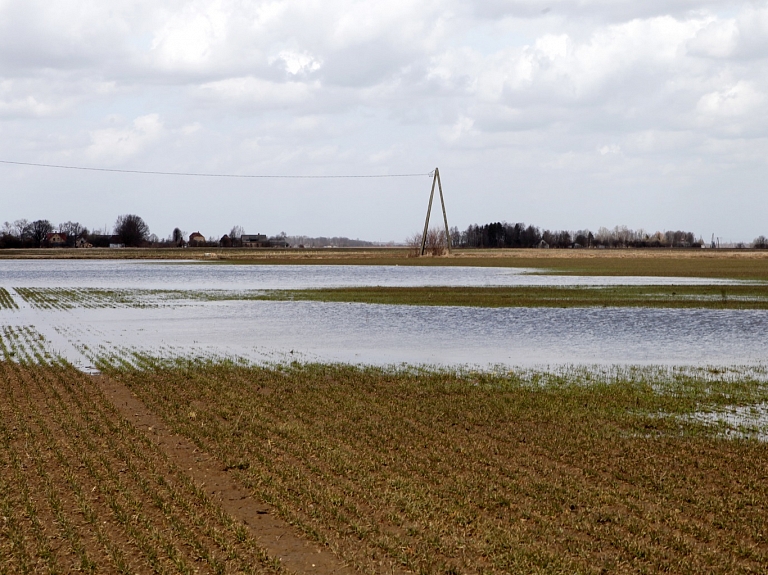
[(376, 334), (163, 275)]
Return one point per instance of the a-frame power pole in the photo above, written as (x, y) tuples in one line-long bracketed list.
[(436, 180)]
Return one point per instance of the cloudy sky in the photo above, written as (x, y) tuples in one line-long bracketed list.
[(566, 113)]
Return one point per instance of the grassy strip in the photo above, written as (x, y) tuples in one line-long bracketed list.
[(476, 473), (738, 296), (709, 297), (733, 264)]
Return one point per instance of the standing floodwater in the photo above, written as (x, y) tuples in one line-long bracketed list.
[(364, 333)]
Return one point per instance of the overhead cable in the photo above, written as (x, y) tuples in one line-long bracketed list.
[(204, 175)]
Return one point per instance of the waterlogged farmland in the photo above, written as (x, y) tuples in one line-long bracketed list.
[(478, 424), (83, 490), (427, 315), (442, 472)]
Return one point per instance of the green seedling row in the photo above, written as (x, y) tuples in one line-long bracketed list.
[(6, 300), (81, 489), (437, 471)]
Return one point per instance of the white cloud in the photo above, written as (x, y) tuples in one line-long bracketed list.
[(112, 145), (189, 38), (718, 39), (460, 128), (190, 129), (610, 149), (15, 103), (492, 89), (256, 94), (296, 63), (737, 100)]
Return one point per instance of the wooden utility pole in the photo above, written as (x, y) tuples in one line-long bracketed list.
[(436, 180)]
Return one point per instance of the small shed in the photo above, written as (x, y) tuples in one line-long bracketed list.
[(542, 245)]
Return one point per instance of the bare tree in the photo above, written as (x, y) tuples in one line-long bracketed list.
[(22, 229), (414, 245), (39, 230), (131, 230), (236, 232), (435, 244), (73, 230)]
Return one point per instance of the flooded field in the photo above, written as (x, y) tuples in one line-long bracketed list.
[(188, 308), (196, 276), (219, 435)]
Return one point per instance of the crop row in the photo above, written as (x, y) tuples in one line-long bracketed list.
[(81, 489), (6, 300), (96, 298), (68, 298), (442, 472)]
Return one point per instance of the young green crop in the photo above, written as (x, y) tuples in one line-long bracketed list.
[(739, 296), (82, 489), (6, 300), (439, 472)]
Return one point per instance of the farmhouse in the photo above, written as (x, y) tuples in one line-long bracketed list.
[(277, 242), (254, 241), (196, 239), (56, 240)]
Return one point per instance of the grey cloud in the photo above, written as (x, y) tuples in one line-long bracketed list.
[(641, 97), (598, 10)]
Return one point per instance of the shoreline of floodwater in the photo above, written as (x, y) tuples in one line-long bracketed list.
[(717, 263)]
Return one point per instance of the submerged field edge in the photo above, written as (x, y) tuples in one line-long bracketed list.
[(735, 296), (724, 264), (731, 296)]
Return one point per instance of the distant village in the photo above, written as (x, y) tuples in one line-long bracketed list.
[(130, 230)]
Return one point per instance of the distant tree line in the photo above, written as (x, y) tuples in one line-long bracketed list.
[(322, 242), (129, 230), (520, 235)]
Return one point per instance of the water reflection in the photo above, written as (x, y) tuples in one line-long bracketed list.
[(163, 275), (379, 334)]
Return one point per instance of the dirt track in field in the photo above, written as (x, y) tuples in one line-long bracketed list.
[(91, 481), (275, 535)]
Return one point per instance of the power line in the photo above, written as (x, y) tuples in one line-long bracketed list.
[(159, 173)]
